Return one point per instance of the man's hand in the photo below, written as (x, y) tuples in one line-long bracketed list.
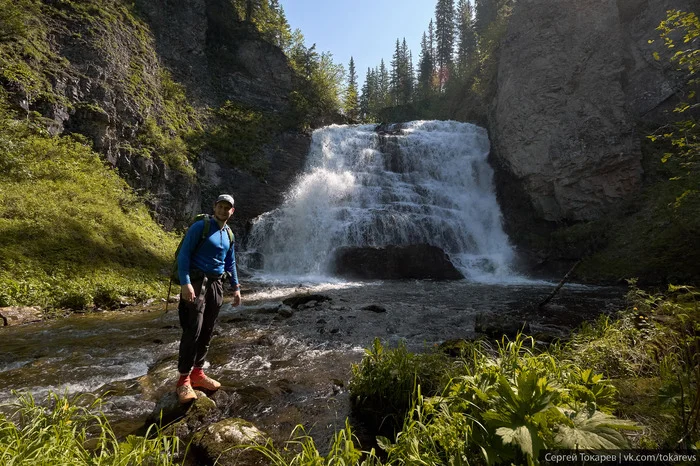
[(187, 292), (237, 298)]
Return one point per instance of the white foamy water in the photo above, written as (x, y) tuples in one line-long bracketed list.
[(429, 184)]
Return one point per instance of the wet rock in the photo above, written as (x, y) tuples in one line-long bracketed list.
[(497, 329), (18, 315), (285, 311), (553, 308), (225, 442), (416, 261), (201, 412), (374, 308), (297, 301)]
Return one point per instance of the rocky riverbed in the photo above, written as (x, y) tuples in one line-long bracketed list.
[(284, 358)]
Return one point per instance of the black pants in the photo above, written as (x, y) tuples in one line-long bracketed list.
[(197, 321)]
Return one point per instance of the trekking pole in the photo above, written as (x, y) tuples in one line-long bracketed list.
[(167, 300)]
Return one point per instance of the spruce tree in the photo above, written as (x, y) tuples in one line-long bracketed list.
[(351, 103), (486, 13), (383, 86), (425, 70), (395, 83), (444, 24), (466, 34)]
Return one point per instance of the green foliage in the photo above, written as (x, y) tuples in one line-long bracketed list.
[(657, 337), (237, 133), (384, 382), (506, 406), (683, 134), (60, 430), (71, 227), (301, 450)]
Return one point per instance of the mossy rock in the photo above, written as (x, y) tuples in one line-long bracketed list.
[(188, 419), (227, 441)]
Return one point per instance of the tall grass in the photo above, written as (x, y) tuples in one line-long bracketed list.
[(73, 431)]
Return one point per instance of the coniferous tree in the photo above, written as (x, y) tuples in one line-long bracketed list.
[(407, 78), (383, 86), (444, 24), (395, 77), (425, 70), (351, 103), (486, 13), (466, 46), (282, 32), (431, 40), (366, 96)]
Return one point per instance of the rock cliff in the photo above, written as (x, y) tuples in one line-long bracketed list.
[(135, 78), (575, 79)]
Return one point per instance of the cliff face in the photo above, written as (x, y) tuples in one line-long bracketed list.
[(217, 56), (135, 79), (575, 79)]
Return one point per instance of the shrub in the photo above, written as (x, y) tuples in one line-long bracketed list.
[(383, 383)]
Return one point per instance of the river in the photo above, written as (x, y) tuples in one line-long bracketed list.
[(279, 371)]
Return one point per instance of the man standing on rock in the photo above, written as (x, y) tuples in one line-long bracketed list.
[(203, 265)]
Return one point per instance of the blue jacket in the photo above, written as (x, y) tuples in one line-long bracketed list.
[(214, 256)]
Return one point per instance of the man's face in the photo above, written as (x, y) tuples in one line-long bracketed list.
[(223, 211)]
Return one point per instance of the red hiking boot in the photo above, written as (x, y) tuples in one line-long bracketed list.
[(200, 380), (185, 393)]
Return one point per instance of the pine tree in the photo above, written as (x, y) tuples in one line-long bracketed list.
[(425, 70), (383, 86), (351, 104), (486, 13), (466, 47), (395, 77), (444, 23)]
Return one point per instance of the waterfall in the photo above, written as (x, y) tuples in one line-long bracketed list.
[(427, 182)]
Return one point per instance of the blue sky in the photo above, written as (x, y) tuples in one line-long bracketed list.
[(364, 29)]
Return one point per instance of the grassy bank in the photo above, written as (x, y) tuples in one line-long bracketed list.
[(73, 231)]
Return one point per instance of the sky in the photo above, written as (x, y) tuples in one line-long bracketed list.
[(364, 29)]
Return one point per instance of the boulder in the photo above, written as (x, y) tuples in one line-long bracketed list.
[(184, 420), (417, 261), (226, 442), (17, 315)]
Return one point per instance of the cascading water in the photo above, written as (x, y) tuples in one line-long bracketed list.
[(428, 182)]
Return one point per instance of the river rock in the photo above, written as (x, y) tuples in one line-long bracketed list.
[(285, 311), (184, 419), (499, 328), (417, 261), (298, 301), (224, 442), (17, 315), (374, 308)]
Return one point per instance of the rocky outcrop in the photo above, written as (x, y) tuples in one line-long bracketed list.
[(216, 55), (574, 78), (18, 315), (284, 156), (395, 262), (114, 76)]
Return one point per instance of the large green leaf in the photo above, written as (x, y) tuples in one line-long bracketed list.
[(593, 431)]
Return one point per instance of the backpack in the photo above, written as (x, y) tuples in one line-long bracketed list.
[(175, 275)]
